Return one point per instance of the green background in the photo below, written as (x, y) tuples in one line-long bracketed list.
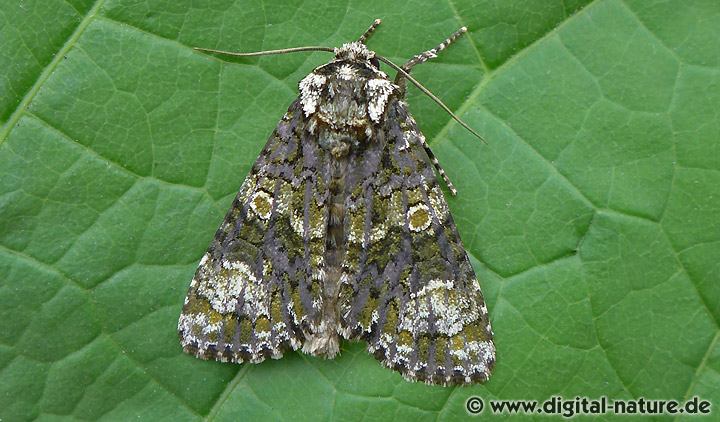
[(592, 215)]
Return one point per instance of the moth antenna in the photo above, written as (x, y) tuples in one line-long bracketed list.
[(364, 37), (432, 96), (266, 52)]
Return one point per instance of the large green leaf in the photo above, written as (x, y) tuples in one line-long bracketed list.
[(592, 214)]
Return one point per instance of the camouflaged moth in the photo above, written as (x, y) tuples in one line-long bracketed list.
[(342, 231)]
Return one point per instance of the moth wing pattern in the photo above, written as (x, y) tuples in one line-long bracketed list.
[(341, 229), (258, 287), (408, 288)]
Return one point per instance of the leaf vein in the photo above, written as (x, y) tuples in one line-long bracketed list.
[(45, 74)]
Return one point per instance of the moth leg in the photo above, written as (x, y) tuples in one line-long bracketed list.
[(427, 55), (437, 165), (364, 37), (401, 81)]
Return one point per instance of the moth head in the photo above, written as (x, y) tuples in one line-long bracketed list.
[(357, 52), (354, 61), (354, 51)]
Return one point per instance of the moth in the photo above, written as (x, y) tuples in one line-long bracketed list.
[(341, 231)]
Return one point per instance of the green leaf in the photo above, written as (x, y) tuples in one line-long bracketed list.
[(592, 215)]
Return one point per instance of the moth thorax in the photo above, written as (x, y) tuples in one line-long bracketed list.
[(337, 143), (346, 103), (346, 95)]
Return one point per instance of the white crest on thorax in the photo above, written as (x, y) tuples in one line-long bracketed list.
[(378, 91), (310, 89)]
